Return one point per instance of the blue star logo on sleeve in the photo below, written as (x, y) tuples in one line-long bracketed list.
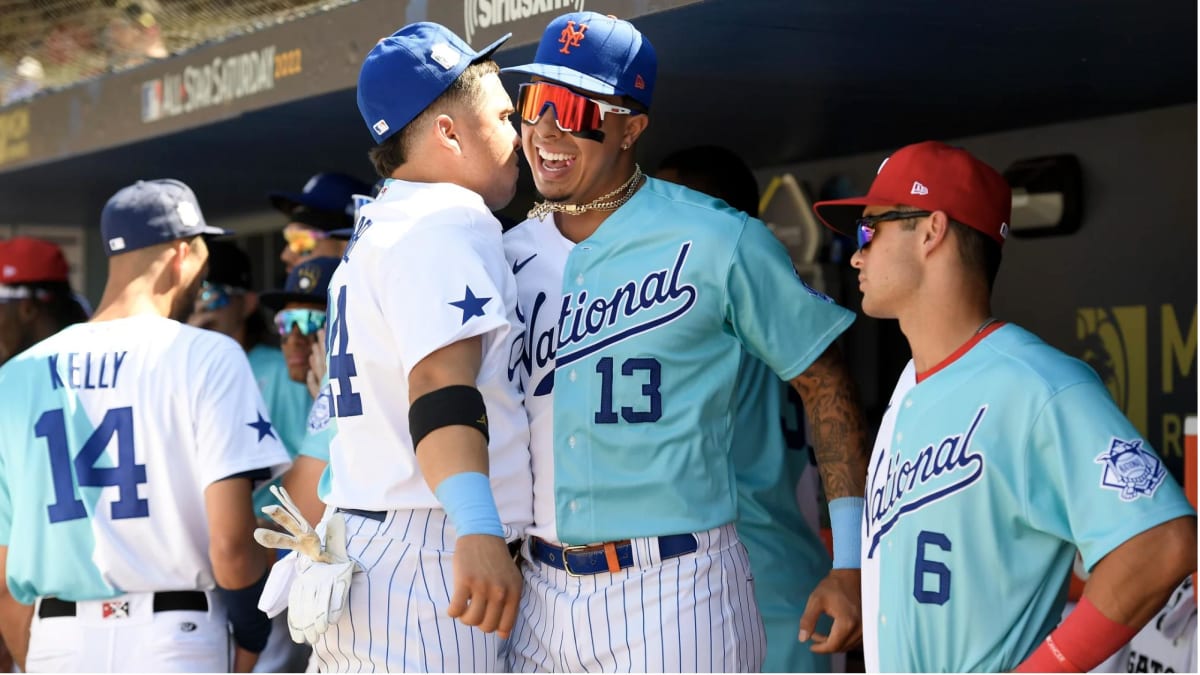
[(470, 305), (263, 427)]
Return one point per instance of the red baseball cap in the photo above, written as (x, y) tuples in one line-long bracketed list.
[(25, 260), (931, 176)]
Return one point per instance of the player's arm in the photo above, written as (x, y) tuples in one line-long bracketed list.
[(1125, 590), (301, 482), (449, 422), (14, 617), (839, 438), (238, 564)]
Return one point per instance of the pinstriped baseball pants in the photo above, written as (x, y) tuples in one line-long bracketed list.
[(396, 618), (693, 613)]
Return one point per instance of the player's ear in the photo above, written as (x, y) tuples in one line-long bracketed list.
[(249, 303), (634, 126), (446, 134), (934, 230)]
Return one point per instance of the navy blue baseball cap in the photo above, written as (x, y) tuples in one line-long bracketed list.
[(596, 53), (152, 212), (326, 201), (308, 282), (408, 70)]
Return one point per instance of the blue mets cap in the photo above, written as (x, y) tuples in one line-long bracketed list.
[(151, 212), (307, 282), (596, 53), (408, 70), (325, 202)]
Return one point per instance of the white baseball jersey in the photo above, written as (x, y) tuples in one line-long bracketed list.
[(424, 269), (105, 454), (988, 472)]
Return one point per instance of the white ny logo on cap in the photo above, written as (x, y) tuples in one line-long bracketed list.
[(919, 189)]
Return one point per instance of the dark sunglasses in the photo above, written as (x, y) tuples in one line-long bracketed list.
[(573, 112), (865, 226)]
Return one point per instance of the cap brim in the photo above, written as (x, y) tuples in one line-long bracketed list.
[(344, 233), (840, 215), (487, 51), (275, 300), (214, 231), (285, 202), (567, 76)]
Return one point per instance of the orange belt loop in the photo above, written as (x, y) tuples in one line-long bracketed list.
[(610, 555)]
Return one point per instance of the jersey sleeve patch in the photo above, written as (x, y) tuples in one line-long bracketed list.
[(1130, 469)]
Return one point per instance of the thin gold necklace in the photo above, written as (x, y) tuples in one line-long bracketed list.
[(601, 203)]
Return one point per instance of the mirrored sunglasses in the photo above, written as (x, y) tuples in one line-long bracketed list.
[(215, 296), (309, 321), (865, 227), (302, 240), (573, 112)]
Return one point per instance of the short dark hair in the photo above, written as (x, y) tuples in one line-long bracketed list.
[(975, 249), (716, 171), (59, 303), (465, 91)]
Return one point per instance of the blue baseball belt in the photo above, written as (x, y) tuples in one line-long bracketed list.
[(612, 556)]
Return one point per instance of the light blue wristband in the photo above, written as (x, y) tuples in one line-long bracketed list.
[(467, 499), (845, 519)]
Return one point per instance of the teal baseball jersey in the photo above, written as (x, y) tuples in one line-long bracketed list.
[(646, 331), (770, 456), (106, 453), (288, 403), (987, 473)]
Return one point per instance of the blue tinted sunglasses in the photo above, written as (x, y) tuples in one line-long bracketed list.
[(216, 296), (309, 321)]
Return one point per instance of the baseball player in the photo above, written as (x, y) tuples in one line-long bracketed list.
[(998, 455), (126, 467), (300, 313), (429, 463), (770, 454), (35, 294), (639, 296), (323, 206)]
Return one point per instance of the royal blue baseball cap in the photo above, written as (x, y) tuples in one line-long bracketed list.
[(307, 282), (405, 72), (325, 202), (152, 212), (596, 53)]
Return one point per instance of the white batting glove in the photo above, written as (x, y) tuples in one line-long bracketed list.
[(318, 572)]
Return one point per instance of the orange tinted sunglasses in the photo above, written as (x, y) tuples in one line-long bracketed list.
[(573, 112)]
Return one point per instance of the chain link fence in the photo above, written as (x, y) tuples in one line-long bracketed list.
[(50, 44)]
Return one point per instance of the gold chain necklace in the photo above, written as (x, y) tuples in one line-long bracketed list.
[(601, 203)]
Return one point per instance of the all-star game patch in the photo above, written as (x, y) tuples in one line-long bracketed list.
[(1131, 469)]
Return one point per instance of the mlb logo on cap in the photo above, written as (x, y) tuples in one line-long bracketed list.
[(152, 212)]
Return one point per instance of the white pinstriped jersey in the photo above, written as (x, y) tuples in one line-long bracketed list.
[(424, 269), (105, 455), (987, 474)]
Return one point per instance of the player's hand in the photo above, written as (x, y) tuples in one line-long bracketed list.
[(487, 584), (839, 595), (316, 365)]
